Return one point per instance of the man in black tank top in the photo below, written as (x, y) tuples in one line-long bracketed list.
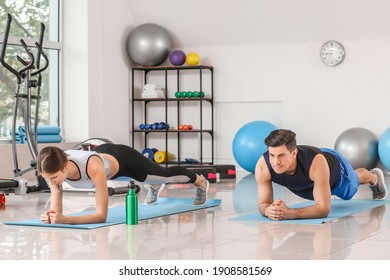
[(311, 173)]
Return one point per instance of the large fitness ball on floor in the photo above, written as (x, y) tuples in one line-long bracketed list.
[(359, 146), (149, 45), (248, 143), (384, 148)]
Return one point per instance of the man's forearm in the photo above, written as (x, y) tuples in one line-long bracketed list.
[(310, 212), (262, 207)]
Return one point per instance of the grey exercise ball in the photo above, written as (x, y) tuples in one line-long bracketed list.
[(149, 45), (359, 146)]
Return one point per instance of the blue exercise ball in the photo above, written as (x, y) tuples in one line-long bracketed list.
[(359, 146), (149, 45), (384, 148), (248, 143)]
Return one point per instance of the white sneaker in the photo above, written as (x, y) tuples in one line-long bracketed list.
[(379, 190), (153, 193), (200, 195)]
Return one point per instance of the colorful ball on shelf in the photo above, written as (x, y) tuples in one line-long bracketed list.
[(149, 45), (192, 59), (177, 57)]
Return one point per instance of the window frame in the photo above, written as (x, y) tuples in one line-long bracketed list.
[(55, 64)]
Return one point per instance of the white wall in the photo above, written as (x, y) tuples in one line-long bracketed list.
[(74, 59), (110, 23), (96, 70), (316, 101), (266, 59)]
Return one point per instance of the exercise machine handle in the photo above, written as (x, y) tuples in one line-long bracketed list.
[(4, 47), (40, 42), (21, 60), (40, 52), (31, 56)]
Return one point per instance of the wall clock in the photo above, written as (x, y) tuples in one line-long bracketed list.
[(332, 53)]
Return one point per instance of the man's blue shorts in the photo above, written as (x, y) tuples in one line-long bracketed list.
[(349, 181)]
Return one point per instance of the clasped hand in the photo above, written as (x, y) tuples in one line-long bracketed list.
[(52, 217), (277, 210)]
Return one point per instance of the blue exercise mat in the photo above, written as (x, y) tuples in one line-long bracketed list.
[(48, 138), (117, 215), (46, 134), (42, 130), (340, 208)]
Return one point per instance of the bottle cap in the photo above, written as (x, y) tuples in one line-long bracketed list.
[(132, 185)]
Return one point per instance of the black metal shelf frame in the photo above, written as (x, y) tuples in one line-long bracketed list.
[(178, 101)]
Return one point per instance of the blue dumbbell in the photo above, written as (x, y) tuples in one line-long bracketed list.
[(160, 126), (153, 126)]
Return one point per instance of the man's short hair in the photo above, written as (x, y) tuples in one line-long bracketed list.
[(281, 137)]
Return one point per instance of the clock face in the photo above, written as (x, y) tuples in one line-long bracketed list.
[(332, 53)]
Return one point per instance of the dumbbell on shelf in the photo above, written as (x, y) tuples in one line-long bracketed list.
[(156, 155), (162, 156), (149, 153), (189, 94), (184, 127), (154, 126)]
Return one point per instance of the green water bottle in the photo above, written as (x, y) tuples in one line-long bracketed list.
[(132, 205)]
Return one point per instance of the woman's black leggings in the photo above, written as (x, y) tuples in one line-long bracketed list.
[(133, 164)]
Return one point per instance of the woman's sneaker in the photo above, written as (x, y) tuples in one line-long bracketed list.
[(200, 195), (379, 190), (153, 193)]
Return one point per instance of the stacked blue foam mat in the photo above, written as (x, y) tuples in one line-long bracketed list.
[(45, 134)]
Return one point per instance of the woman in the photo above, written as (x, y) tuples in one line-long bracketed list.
[(92, 169)]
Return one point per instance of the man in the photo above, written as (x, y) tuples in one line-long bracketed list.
[(311, 173)]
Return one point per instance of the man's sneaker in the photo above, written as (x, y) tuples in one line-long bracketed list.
[(200, 195), (153, 193), (379, 190)]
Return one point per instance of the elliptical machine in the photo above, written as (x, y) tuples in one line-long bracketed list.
[(30, 75)]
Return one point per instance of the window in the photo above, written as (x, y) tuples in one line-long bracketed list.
[(27, 16)]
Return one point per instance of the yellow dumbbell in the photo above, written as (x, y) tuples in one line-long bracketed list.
[(162, 156)]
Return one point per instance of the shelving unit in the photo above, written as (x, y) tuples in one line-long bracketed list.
[(172, 82)]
